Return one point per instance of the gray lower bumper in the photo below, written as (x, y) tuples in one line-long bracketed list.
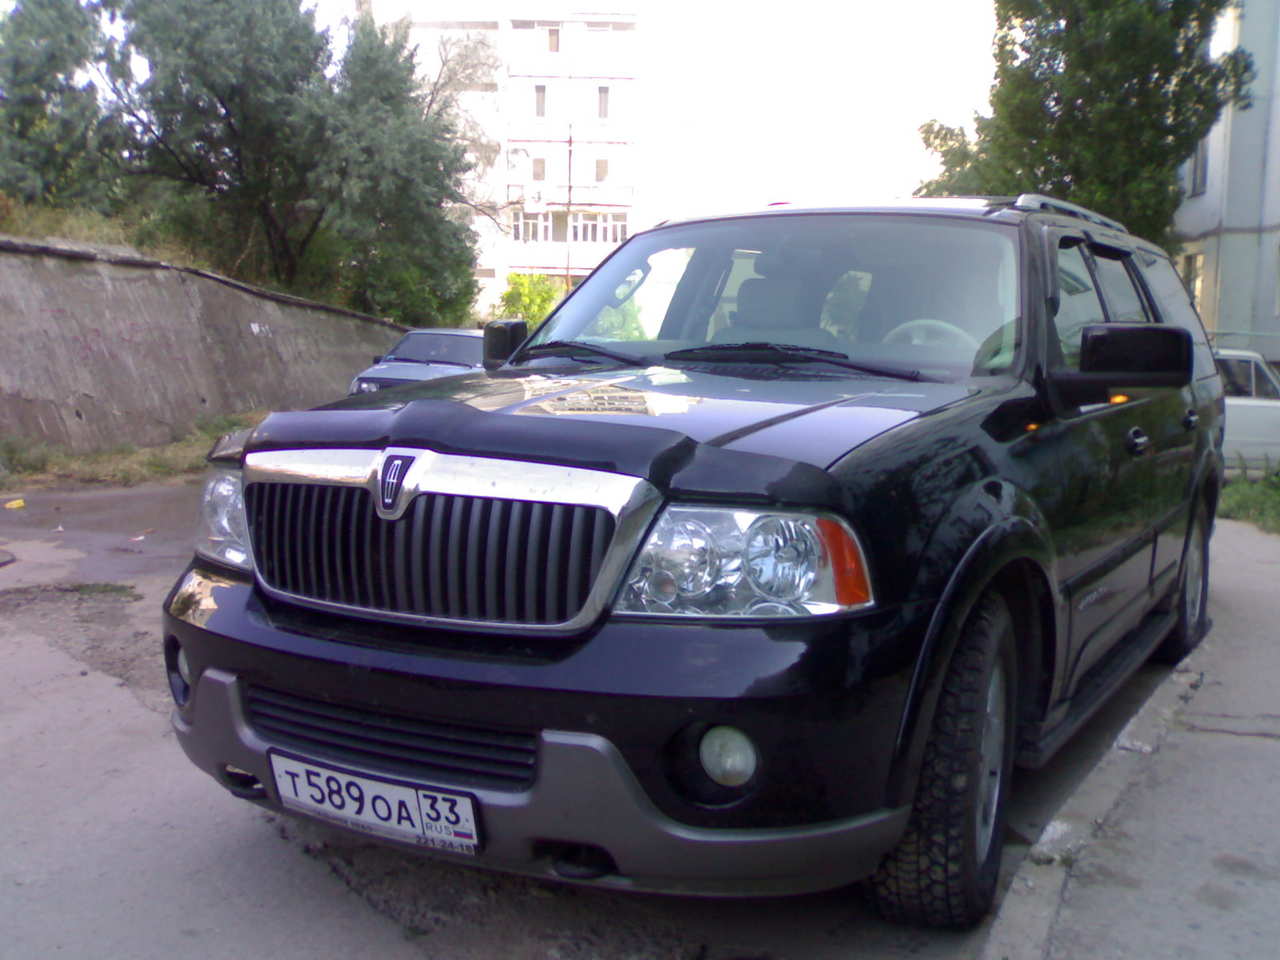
[(586, 794)]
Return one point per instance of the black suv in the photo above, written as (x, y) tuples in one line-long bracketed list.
[(754, 570)]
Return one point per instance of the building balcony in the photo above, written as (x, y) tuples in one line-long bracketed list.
[(542, 195)]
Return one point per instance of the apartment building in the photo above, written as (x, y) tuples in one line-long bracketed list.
[(562, 109), (1230, 219)]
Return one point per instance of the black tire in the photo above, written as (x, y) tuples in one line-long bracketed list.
[(1192, 596), (943, 872)]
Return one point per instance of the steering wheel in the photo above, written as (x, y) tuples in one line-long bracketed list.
[(926, 331)]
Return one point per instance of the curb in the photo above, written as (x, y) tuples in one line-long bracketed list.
[(1025, 918)]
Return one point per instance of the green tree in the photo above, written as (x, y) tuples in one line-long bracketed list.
[(52, 133), (1098, 102), (233, 104), (530, 297), (393, 171)]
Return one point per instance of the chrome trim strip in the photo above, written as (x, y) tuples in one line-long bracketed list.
[(434, 472), (633, 502)]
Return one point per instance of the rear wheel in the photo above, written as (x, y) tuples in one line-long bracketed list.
[(1192, 598), (943, 872)]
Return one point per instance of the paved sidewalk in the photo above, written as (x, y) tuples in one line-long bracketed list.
[(1171, 848)]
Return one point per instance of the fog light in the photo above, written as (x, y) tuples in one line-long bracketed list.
[(728, 756), (184, 666)]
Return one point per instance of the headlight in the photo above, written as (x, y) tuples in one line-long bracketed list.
[(362, 386), (721, 562), (224, 529)]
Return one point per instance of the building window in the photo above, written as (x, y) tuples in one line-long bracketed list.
[(598, 227), (530, 227), (602, 170), (617, 228), (603, 103), (539, 168), (553, 39), (1198, 169), (540, 101)]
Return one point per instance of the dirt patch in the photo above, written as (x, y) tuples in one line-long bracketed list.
[(460, 913), (102, 625)]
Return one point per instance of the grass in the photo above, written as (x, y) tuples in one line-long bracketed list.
[(1254, 501), (35, 465), (118, 591), (36, 222)]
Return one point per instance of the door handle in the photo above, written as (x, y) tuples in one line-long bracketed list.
[(1137, 442), (1191, 420)]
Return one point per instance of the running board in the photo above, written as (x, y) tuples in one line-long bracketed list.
[(1040, 742)]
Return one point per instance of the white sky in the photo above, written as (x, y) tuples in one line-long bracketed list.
[(751, 103), (807, 99)]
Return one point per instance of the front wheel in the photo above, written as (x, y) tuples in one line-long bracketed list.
[(943, 872)]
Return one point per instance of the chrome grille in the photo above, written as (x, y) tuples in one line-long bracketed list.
[(412, 747), (448, 556)]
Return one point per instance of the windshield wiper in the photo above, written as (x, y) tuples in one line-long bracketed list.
[(761, 351), (568, 348)]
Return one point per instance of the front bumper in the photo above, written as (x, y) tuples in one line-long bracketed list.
[(586, 796), (602, 730)]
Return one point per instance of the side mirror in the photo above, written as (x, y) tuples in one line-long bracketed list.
[(501, 337), (1125, 355), (377, 359)]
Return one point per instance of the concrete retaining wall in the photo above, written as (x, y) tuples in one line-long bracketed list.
[(101, 349)]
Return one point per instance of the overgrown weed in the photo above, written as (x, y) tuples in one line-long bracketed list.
[(34, 465)]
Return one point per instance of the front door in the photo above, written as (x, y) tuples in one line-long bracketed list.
[(1105, 518)]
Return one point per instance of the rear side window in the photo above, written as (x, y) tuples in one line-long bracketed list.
[(1174, 304), (1263, 385), (1117, 286)]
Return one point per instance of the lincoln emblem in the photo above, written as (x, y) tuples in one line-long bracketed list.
[(394, 469)]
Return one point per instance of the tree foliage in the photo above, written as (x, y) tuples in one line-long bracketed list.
[(393, 172), (237, 126), (1098, 102), (52, 133), (232, 103)]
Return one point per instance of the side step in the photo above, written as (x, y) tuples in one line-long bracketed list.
[(1040, 742)]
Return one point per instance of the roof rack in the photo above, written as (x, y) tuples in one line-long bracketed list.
[(1038, 201)]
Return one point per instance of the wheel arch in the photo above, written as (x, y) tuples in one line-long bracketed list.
[(1015, 557)]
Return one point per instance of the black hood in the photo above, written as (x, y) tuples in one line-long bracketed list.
[(771, 433)]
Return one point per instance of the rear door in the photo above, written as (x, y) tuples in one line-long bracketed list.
[(1191, 422)]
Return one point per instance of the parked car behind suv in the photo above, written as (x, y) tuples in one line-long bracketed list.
[(754, 570), (422, 355), (1252, 440)]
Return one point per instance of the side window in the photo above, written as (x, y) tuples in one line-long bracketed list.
[(1117, 287), (1237, 377), (742, 267), (642, 299), (1174, 305), (1079, 304)]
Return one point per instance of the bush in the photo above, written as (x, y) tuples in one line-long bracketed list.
[(1254, 501), (530, 297), (22, 456)]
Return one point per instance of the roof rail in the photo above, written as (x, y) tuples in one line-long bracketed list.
[(1038, 201)]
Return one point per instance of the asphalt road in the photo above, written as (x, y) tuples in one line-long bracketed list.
[(117, 847)]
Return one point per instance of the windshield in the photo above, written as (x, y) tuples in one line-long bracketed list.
[(916, 294), (438, 348)]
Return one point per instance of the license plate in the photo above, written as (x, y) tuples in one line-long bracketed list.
[(428, 816)]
